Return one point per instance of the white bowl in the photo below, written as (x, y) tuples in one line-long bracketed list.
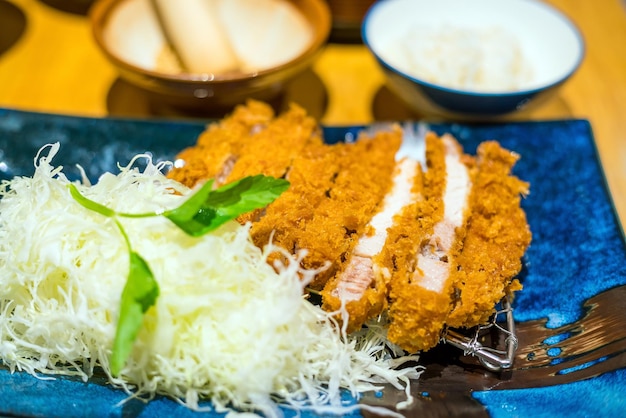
[(529, 49)]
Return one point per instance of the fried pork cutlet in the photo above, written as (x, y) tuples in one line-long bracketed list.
[(334, 189), (305, 194), (426, 241), (250, 141), (214, 152), (429, 246), (360, 286), (497, 238), (467, 256), (334, 192), (363, 180)]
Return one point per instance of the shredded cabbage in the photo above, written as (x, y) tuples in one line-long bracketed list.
[(227, 326)]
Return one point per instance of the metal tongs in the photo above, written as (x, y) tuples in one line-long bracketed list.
[(491, 358)]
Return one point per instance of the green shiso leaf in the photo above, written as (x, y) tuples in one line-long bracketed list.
[(139, 294), (203, 212), (208, 209), (88, 203)]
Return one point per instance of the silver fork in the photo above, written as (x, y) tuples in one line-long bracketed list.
[(593, 345)]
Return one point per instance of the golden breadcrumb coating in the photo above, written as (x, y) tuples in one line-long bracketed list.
[(300, 200), (334, 192), (271, 151), (219, 143), (497, 238), (358, 187), (417, 314), (369, 273)]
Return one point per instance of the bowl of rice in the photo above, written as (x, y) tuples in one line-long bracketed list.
[(469, 60)]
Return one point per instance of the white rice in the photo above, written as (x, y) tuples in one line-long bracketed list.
[(475, 59)]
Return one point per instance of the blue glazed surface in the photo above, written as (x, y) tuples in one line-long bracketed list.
[(604, 396), (577, 251)]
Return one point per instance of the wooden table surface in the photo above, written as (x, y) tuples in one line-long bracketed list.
[(50, 63)]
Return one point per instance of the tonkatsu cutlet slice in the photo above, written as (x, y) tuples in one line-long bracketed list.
[(213, 154), (497, 237), (341, 217), (271, 151), (360, 286), (315, 214), (432, 230), (284, 220)]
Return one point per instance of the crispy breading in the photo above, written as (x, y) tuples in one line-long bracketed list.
[(286, 218), (359, 288), (417, 315), (219, 143), (497, 238), (271, 151), (361, 182), (334, 192)]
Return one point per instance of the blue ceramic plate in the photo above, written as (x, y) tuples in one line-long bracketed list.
[(578, 250)]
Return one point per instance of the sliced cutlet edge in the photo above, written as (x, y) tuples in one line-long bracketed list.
[(363, 179), (213, 155), (359, 289), (497, 238), (421, 287), (271, 151), (284, 220)]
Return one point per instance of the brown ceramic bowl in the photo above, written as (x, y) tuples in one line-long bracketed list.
[(347, 17), (130, 37)]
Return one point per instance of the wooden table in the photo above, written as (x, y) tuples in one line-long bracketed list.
[(56, 67)]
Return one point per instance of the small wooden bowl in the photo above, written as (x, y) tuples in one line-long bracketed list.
[(140, 39)]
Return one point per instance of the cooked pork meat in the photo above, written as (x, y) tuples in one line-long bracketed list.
[(433, 261), (429, 246), (214, 154), (356, 189), (497, 238), (361, 286), (422, 290)]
